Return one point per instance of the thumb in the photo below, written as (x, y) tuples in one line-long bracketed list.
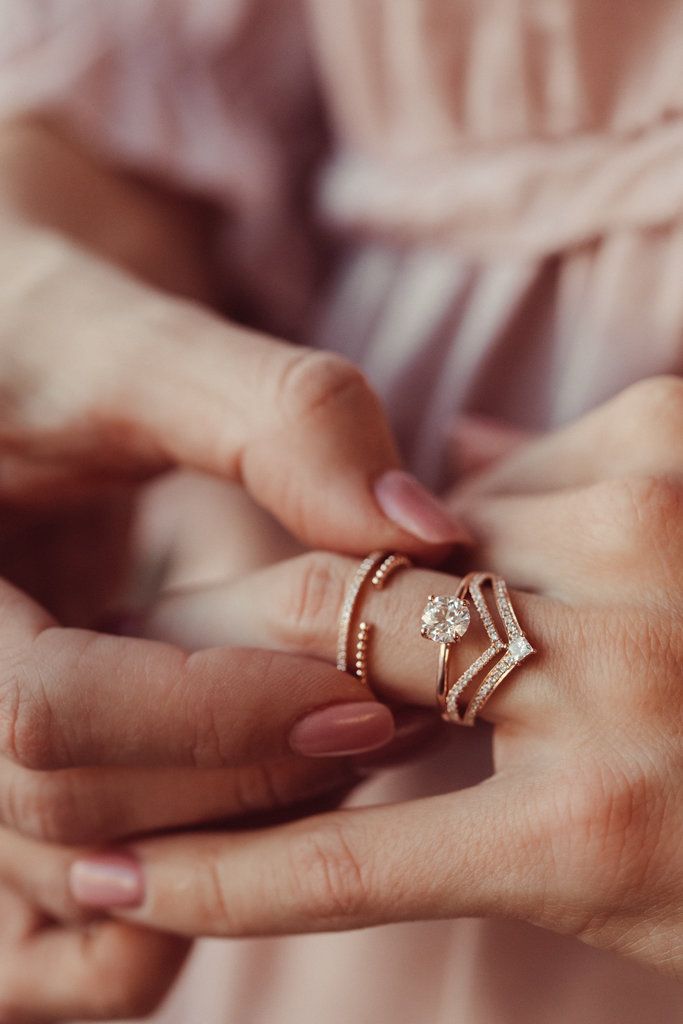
[(302, 430)]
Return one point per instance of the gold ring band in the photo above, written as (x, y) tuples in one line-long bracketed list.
[(377, 568), (445, 621), (349, 606), (515, 648)]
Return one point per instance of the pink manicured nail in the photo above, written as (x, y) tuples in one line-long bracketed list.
[(343, 729), (107, 880), (408, 504)]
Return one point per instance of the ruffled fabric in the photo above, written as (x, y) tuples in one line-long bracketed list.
[(525, 127), (528, 199), (215, 97)]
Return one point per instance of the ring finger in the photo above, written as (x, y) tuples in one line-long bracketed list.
[(299, 604)]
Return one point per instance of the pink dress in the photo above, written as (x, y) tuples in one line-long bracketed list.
[(502, 181)]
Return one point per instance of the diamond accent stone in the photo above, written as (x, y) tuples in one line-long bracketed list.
[(445, 619), (520, 648)]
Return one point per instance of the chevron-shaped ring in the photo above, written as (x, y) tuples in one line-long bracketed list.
[(515, 648)]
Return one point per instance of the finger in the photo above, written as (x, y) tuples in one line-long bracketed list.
[(480, 441), (614, 540), (105, 972), (637, 433), (202, 529), (300, 604), (464, 854), (90, 805), (71, 697), (75, 966), (302, 430)]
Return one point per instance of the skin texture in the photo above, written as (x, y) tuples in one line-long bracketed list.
[(587, 735), (587, 742), (114, 367), (580, 828)]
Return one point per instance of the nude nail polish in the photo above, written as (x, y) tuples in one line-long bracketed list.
[(407, 503), (107, 880), (343, 729)]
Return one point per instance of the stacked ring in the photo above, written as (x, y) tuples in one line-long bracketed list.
[(445, 620), (382, 567), (515, 649)]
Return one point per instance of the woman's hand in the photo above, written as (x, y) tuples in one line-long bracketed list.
[(107, 377), (580, 829)]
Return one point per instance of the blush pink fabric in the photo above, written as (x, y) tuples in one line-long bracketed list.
[(503, 184)]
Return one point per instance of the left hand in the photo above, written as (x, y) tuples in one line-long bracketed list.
[(580, 829)]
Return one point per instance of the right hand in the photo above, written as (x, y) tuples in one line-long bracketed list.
[(105, 379)]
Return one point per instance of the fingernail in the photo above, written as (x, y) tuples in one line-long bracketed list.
[(107, 880), (407, 503), (343, 729)]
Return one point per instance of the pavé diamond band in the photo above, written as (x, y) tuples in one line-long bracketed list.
[(377, 568), (514, 649)]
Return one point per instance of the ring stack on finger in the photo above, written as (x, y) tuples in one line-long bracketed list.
[(377, 568), (514, 649)]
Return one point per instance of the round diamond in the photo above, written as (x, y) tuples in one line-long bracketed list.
[(445, 619)]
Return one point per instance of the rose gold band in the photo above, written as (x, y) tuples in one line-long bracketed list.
[(378, 568), (515, 648)]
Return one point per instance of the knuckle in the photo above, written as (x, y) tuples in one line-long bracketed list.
[(609, 822), (257, 788), (54, 807), (215, 912), (209, 747), (313, 381), (25, 726), (638, 514), (328, 877), (309, 603), (40, 806)]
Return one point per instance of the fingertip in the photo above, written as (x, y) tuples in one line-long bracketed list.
[(107, 880), (344, 729), (409, 505)]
